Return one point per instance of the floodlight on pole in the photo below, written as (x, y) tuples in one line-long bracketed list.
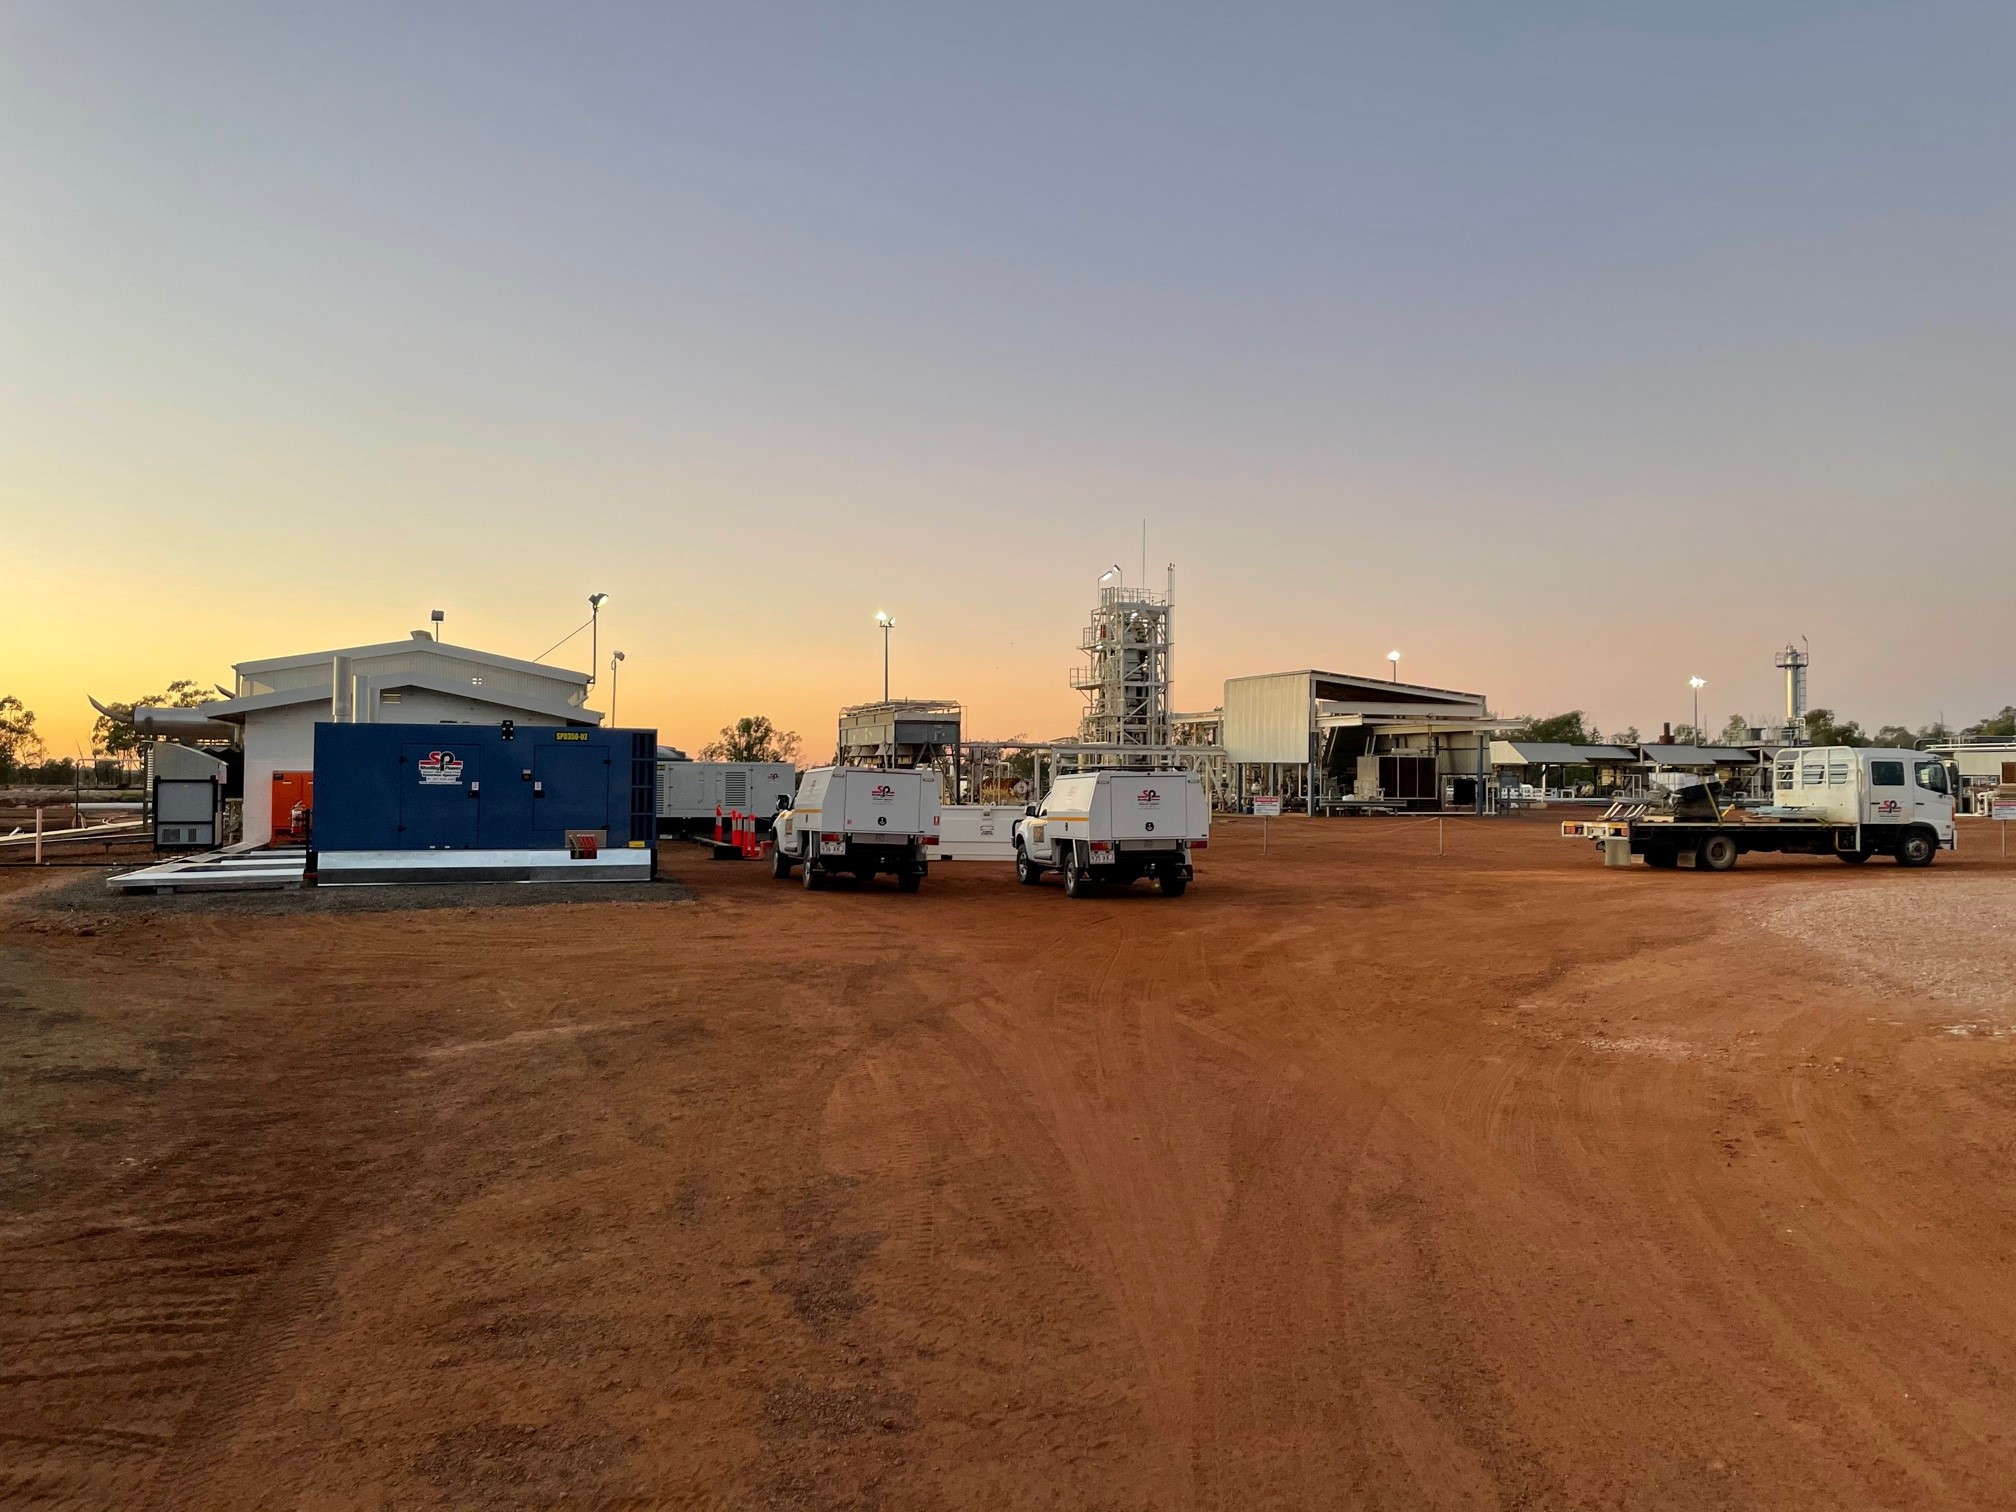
[(613, 660), (887, 622), (1394, 657), (595, 603), (1697, 684), (439, 617)]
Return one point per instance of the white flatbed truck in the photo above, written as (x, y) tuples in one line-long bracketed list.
[(1852, 802), (1115, 826), (859, 822)]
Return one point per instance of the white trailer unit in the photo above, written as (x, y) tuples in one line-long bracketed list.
[(690, 792), (977, 832), (860, 821), (1115, 826)]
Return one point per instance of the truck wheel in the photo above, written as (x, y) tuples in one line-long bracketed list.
[(1077, 881), (1853, 858), (1716, 853), (814, 879), (1172, 886), (1917, 848), (909, 881), (1027, 872), (780, 863)]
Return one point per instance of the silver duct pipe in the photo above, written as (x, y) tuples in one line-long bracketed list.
[(342, 691)]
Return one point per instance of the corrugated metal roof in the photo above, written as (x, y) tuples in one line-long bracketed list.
[(1698, 756), (1557, 753), (422, 644)]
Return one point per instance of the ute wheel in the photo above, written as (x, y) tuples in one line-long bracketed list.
[(1917, 848), (1853, 858), (814, 878), (1172, 886), (909, 881), (1027, 872), (1077, 880), (780, 863), (1716, 853), (1664, 859)]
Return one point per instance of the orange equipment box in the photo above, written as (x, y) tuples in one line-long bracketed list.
[(291, 790)]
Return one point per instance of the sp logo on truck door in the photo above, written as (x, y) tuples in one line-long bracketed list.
[(1889, 808), (1148, 798), (882, 793), (440, 769)]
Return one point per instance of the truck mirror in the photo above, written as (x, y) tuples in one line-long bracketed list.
[(1029, 811)]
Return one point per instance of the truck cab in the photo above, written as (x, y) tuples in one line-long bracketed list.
[(860, 822), (1900, 802), (1115, 827)]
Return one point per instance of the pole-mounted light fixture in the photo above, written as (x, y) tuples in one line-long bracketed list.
[(888, 622), (595, 603), (1394, 657), (614, 658)]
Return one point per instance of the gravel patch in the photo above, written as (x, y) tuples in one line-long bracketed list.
[(1656, 1046), (1951, 940)]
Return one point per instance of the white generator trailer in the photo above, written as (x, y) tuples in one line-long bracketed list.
[(690, 793), (1853, 802), (859, 822), (1115, 826)]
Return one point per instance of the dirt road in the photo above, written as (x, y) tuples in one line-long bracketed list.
[(1359, 1177)]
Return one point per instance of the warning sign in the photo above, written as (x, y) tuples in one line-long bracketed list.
[(1267, 808)]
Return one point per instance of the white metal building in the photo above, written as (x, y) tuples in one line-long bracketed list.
[(1330, 738), (415, 681)]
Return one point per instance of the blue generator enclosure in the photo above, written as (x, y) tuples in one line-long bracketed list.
[(481, 787)]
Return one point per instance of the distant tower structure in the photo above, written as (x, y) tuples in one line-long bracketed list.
[(1126, 678), (1792, 662)]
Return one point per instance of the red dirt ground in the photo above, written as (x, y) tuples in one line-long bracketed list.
[(1359, 1177)]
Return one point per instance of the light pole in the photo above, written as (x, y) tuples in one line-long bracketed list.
[(888, 623), (1697, 684), (438, 617), (595, 603), (613, 660), (1394, 657)]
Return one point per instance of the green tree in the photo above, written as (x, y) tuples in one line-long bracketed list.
[(1823, 729), (1893, 735), (1736, 732), (1628, 736), (1936, 732), (1995, 727), (115, 737), (752, 738), (20, 746), (1564, 729)]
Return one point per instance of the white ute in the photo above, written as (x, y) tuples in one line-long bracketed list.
[(860, 821), (1115, 826)]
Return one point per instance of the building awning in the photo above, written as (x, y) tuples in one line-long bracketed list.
[(1560, 753), (1699, 756)]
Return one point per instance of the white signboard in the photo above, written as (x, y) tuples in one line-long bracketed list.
[(1267, 808), (2002, 808)]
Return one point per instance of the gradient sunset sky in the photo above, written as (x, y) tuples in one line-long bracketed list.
[(1573, 349)]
